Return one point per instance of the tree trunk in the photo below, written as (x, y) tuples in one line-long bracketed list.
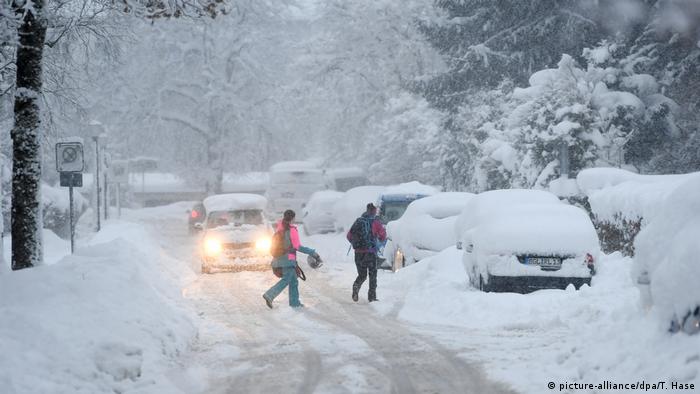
[(26, 144)]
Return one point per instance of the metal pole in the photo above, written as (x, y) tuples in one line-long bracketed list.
[(97, 179), (72, 225), (106, 197), (119, 201)]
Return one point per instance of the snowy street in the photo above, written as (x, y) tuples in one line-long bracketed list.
[(333, 345)]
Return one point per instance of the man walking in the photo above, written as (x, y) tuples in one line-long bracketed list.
[(365, 235)]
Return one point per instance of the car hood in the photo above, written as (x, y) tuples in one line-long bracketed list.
[(238, 234)]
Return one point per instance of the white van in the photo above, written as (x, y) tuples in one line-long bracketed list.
[(291, 184), (346, 178)]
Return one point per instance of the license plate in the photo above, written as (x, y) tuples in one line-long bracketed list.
[(544, 262)]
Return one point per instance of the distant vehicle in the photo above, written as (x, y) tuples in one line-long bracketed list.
[(317, 215), (344, 179), (195, 218), (526, 240), (291, 185), (236, 235), (395, 199), (393, 202), (426, 228)]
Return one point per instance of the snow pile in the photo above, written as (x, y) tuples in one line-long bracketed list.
[(103, 320), (668, 250), (353, 204), (427, 226), (234, 201), (55, 248), (616, 194), (593, 334)]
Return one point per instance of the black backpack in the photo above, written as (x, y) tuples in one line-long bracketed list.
[(277, 244), (361, 234)]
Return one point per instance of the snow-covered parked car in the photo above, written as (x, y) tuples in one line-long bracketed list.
[(393, 202), (426, 228), (317, 215), (236, 235), (353, 204), (525, 240), (666, 263), (395, 199)]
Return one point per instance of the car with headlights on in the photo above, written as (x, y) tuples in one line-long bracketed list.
[(195, 218), (236, 235), (525, 240), (425, 229)]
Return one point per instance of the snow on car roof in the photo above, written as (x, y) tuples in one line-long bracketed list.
[(411, 188), (439, 205), (234, 201), (546, 229), (483, 205), (293, 166)]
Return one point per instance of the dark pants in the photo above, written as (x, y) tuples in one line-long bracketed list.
[(366, 263)]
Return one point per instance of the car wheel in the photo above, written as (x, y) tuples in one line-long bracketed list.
[(483, 286)]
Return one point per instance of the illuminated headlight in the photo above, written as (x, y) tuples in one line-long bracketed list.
[(263, 245), (212, 247)]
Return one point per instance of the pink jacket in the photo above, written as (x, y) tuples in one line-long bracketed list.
[(294, 237)]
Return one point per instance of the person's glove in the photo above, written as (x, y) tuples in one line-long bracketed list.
[(314, 261)]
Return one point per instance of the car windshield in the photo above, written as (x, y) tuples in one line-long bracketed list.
[(235, 218), (393, 210)]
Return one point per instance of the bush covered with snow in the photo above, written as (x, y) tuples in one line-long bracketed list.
[(622, 202)]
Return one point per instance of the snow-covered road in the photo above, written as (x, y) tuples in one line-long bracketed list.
[(332, 346)]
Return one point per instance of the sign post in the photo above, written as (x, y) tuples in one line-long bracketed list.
[(70, 165), (119, 173)]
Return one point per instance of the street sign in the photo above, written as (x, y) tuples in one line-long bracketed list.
[(71, 179), (120, 171), (69, 157)]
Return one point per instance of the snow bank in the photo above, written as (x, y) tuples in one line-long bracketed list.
[(668, 250), (55, 248), (102, 321), (234, 201), (590, 335), (353, 204)]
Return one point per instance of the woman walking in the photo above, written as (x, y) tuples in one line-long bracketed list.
[(287, 262)]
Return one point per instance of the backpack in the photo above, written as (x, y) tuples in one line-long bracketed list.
[(277, 244), (361, 234)]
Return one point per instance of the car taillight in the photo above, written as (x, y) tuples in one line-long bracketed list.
[(589, 259), (194, 214)]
